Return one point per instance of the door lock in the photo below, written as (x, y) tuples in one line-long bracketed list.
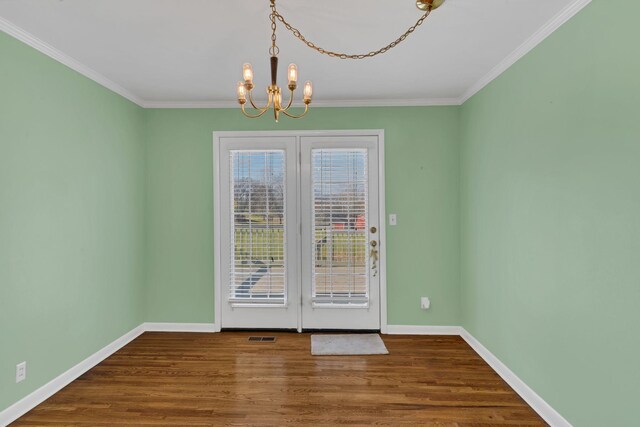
[(373, 230), (373, 243)]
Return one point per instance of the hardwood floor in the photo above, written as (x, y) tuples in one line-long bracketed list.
[(182, 379)]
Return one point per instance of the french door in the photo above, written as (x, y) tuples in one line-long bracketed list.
[(259, 242), (340, 253), (298, 241)]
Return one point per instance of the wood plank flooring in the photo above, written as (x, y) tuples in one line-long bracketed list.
[(182, 379)]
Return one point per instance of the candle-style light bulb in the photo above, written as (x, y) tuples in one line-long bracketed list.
[(242, 93), (308, 91), (293, 73), (247, 73)]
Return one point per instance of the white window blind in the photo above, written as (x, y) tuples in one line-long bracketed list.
[(258, 264), (340, 223)]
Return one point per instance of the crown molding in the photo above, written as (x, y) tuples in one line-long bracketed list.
[(424, 102), (538, 37), (545, 31), (419, 102), (31, 40)]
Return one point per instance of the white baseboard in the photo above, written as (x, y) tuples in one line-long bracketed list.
[(29, 402), (422, 330), (536, 402), (180, 327), (32, 400)]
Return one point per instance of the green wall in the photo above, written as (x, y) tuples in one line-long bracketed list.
[(422, 159), (519, 214), (99, 197), (551, 217), (71, 217)]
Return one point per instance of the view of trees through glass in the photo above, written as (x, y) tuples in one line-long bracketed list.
[(339, 200), (258, 269)]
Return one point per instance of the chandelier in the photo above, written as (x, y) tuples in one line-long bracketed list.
[(274, 92)]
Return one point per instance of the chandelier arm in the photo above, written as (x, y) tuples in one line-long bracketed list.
[(253, 104), (306, 110), (339, 55), (254, 116), (290, 101)]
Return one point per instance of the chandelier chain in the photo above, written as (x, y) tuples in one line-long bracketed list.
[(273, 50), (298, 34)]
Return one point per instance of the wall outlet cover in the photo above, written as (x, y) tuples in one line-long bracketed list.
[(425, 303), (21, 372)]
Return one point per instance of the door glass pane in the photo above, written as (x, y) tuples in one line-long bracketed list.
[(340, 223), (258, 263)]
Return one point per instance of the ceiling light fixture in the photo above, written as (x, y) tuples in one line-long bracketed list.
[(274, 92)]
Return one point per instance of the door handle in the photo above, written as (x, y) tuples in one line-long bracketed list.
[(373, 255)]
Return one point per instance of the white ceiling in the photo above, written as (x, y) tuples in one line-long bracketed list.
[(190, 52)]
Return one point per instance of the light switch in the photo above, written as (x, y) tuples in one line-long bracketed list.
[(393, 219)]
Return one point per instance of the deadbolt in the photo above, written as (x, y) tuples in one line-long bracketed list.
[(374, 243), (373, 230)]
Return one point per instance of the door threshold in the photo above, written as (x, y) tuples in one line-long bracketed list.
[(342, 331), (306, 331), (261, 330)]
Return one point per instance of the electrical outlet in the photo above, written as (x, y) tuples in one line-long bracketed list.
[(425, 303), (21, 372)]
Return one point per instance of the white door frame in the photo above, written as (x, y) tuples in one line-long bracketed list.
[(382, 266)]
